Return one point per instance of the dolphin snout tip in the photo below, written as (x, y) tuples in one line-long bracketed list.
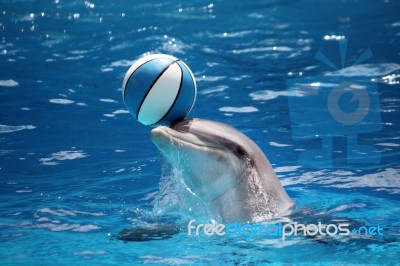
[(157, 132), (154, 132), (160, 138)]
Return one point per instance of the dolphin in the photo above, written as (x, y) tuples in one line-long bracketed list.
[(225, 169)]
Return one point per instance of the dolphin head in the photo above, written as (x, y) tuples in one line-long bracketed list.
[(222, 167), (209, 154)]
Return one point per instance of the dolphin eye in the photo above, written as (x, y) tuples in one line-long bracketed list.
[(240, 151)]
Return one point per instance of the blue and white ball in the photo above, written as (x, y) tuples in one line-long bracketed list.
[(159, 89)]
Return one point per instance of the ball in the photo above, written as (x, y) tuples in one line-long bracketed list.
[(159, 89)]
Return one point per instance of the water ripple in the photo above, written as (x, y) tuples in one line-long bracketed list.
[(64, 212), (10, 129), (245, 109), (367, 70), (387, 180), (264, 95), (8, 83), (61, 101), (62, 156)]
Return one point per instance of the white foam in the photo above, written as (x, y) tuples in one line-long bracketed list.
[(120, 170), (8, 83), (213, 89), (108, 100), (387, 180), (64, 212), (244, 109), (90, 252), (265, 95), (284, 169), (236, 34), (62, 156), (120, 111), (345, 207), (175, 46), (385, 144), (150, 259), (85, 228), (256, 15), (74, 57), (366, 70), (67, 227), (396, 24), (122, 63), (61, 101), (9, 129), (276, 144), (211, 78), (264, 49), (334, 37), (78, 52)]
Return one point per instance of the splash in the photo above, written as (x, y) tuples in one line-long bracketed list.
[(175, 197)]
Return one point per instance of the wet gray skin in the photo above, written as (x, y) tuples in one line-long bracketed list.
[(225, 169)]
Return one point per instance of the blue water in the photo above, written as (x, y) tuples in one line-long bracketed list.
[(76, 168)]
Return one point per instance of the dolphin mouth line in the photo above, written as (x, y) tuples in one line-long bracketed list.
[(171, 133)]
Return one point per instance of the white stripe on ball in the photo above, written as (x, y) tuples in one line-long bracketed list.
[(141, 61), (161, 96)]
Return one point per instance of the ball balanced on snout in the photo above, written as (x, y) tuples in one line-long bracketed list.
[(159, 89)]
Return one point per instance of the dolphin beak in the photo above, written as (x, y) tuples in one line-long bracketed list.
[(165, 137), (158, 131), (160, 137)]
